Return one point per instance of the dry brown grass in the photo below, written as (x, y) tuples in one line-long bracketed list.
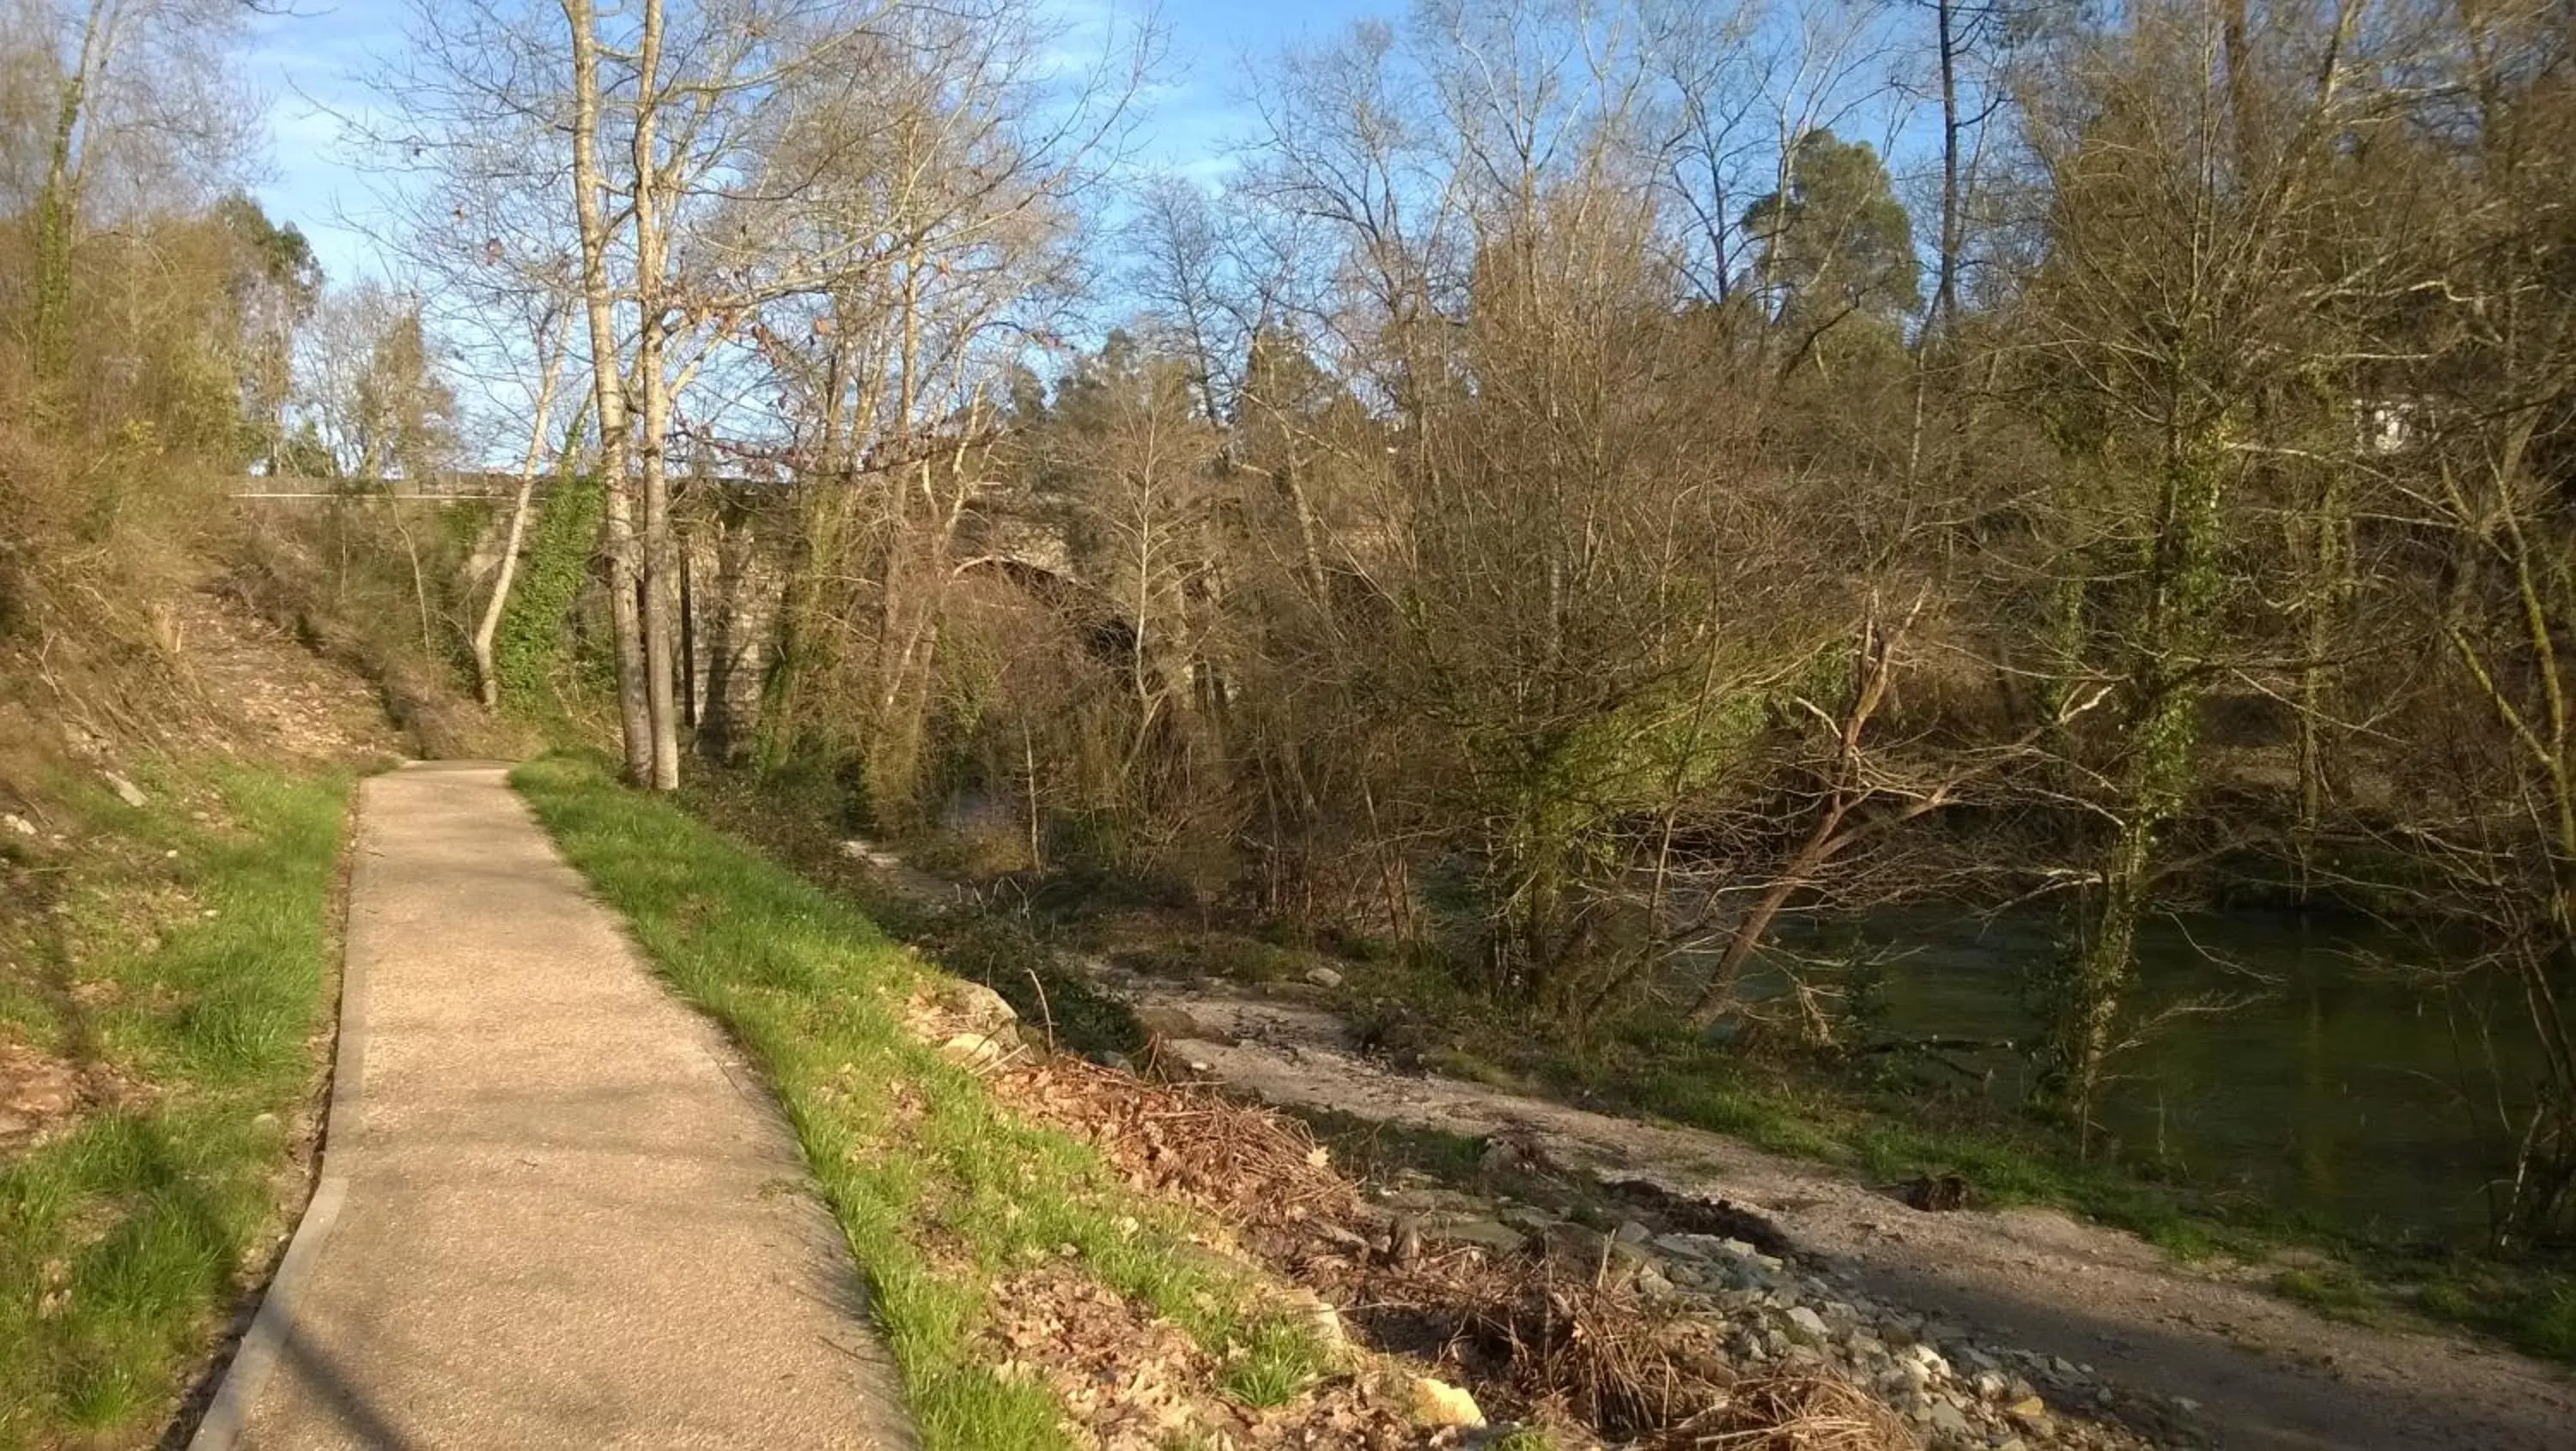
[(1530, 1335)]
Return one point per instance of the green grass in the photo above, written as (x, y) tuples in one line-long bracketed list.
[(1016, 953), (188, 961), (939, 1190)]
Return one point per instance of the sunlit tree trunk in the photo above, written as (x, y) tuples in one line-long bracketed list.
[(608, 390)]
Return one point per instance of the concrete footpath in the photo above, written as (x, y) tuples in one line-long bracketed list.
[(556, 1208)]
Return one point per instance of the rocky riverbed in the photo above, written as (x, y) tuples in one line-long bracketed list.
[(2093, 1322), (1958, 1392)]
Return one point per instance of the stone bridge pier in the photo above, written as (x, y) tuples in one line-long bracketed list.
[(734, 583)]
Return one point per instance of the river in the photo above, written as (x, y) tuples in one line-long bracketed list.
[(2329, 1087)]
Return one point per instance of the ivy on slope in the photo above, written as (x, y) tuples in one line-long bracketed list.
[(528, 652)]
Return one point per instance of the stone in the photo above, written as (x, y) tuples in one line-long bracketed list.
[(126, 791), (1589, 1253), (1483, 1233), (1929, 1359), (1747, 1277), (1117, 1061), (1990, 1386), (1807, 1324), (1633, 1233), (18, 824), (2187, 1405), (1653, 1284), (1325, 1321), (1323, 977), (1438, 1403), (1163, 1022), (975, 1050), (977, 1006), (1949, 1421), (2028, 1409)]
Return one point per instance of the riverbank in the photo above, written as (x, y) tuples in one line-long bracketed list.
[(2120, 1322), (1064, 1251), (1888, 1119), (2216, 1298)]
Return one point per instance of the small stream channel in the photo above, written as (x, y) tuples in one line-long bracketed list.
[(2330, 1088)]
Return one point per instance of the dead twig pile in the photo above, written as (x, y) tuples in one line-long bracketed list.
[(1794, 1411), (1260, 1172), (1532, 1334)]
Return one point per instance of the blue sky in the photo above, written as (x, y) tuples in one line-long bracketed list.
[(310, 60)]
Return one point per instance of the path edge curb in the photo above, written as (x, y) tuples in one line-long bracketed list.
[(255, 1357)]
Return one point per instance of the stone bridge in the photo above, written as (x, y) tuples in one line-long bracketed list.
[(738, 543)]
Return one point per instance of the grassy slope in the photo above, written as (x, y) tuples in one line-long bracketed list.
[(940, 1192), (185, 961)]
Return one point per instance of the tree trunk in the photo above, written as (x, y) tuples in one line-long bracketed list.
[(625, 566), (1945, 290), (487, 629), (58, 210), (661, 592)]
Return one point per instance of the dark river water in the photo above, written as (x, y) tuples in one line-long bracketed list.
[(2331, 1086)]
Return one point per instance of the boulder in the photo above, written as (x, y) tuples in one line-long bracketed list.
[(977, 1006), (1323, 977), (975, 1050)]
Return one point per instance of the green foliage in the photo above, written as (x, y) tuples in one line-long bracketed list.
[(1838, 243), (124, 1240), (531, 647)]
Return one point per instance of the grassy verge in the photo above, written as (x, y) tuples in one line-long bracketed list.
[(172, 961), (943, 1195)]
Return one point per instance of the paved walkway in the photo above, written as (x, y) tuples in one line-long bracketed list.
[(559, 1209)]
